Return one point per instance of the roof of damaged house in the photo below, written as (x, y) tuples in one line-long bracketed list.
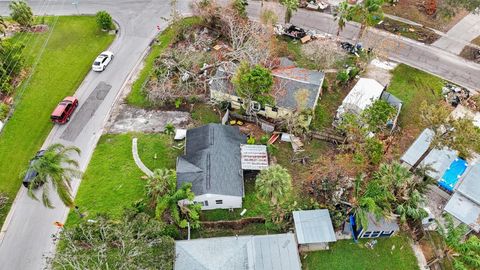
[(262, 252), (212, 160), (294, 87)]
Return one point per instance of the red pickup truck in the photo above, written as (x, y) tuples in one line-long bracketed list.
[(64, 110)]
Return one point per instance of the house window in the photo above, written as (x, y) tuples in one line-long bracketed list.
[(274, 109), (375, 234), (218, 201), (366, 234), (205, 203)]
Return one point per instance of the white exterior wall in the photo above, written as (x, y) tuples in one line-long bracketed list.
[(268, 112), (227, 201)]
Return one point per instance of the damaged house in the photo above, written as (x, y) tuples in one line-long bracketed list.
[(295, 90)]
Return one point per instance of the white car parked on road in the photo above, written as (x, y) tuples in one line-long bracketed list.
[(102, 61)]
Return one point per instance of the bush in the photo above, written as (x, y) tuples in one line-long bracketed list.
[(374, 150), (104, 20), (3, 111), (343, 77), (21, 12)]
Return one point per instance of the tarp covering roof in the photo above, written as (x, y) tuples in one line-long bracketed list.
[(313, 226), (212, 160), (362, 95), (254, 157), (262, 252)]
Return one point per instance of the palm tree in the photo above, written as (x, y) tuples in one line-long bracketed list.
[(343, 15), (367, 13), (290, 7), (169, 202), (55, 167), (407, 189), (162, 181), (274, 184), (463, 252)]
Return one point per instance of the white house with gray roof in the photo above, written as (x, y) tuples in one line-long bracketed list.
[(260, 252), (212, 163), (295, 89)]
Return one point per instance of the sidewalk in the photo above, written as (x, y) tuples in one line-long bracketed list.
[(460, 35)]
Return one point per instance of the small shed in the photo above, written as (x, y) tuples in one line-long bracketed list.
[(254, 157), (381, 227), (313, 229), (362, 95)]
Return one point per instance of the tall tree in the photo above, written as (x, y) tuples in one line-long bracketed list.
[(367, 13), (22, 13), (55, 168), (463, 251), (274, 184), (458, 134), (290, 7)]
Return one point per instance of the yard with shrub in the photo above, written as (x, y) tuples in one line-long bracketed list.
[(413, 86), (137, 96), (66, 59), (113, 181), (388, 254)]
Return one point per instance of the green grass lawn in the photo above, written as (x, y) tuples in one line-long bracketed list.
[(73, 45), (388, 254), (204, 114), (413, 86), (112, 180), (137, 96)]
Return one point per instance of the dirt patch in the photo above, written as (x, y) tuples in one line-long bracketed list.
[(132, 119), (414, 10), (471, 53), (422, 34), (380, 71)]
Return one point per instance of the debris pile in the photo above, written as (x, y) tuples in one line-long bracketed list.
[(454, 94)]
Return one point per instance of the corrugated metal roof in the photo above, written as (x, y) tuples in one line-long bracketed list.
[(464, 210), (438, 159), (264, 252), (469, 185), (363, 94), (313, 226), (254, 157)]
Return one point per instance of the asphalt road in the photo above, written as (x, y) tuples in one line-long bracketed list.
[(425, 57), (26, 236), (29, 227)]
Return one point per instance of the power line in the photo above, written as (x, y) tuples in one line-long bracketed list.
[(25, 39), (27, 82)]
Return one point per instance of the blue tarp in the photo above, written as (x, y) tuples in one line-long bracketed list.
[(451, 176)]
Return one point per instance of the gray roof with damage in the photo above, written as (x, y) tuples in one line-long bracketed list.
[(262, 252), (212, 160), (294, 87)]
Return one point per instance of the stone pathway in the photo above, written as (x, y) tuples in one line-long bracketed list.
[(137, 159), (460, 35), (417, 250)]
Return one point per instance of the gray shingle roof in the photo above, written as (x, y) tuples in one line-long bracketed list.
[(212, 160), (264, 252), (313, 226), (291, 84)]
